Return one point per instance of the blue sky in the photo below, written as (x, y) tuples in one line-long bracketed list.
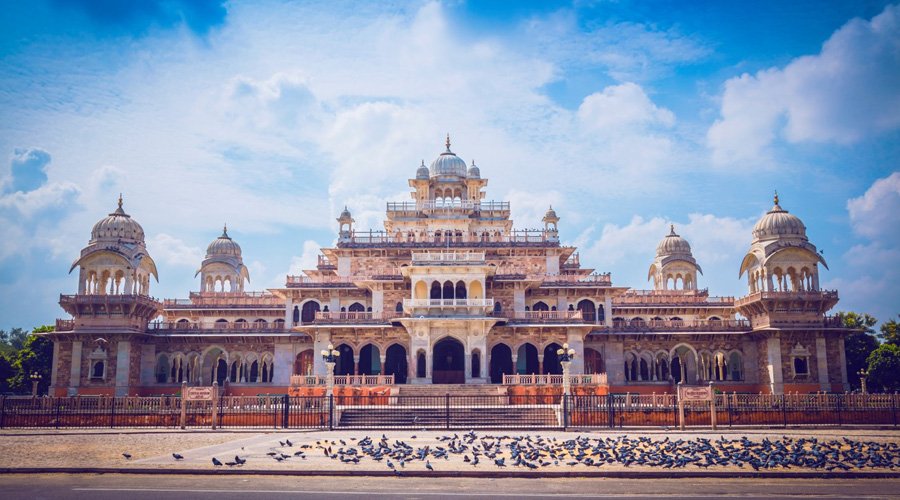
[(271, 116)]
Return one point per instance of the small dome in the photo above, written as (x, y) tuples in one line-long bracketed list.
[(117, 226), (778, 223), (422, 171), (551, 214), (474, 171), (345, 213), (223, 246), (448, 164), (673, 244)]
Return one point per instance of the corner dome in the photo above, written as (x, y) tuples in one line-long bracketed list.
[(474, 171), (448, 164), (551, 214), (673, 244), (422, 172), (118, 226), (778, 223), (223, 246)]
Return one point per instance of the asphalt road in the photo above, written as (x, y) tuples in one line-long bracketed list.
[(136, 487)]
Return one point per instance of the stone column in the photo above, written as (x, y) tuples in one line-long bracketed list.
[(607, 312), (467, 367), (322, 339), (377, 301), (123, 364), (283, 364), (567, 383), (575, 341), (519, 299), (148, 365), (53, 374), (356, 364), (822, 364), (515, 364), (615, 362), (541, 364), (843, 362), (75, 367), (329, 376), (773, 365)]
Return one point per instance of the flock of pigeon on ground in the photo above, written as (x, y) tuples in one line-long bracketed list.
[(533, 452)]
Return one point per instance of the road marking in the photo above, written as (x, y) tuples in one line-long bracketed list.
[(486, 493)]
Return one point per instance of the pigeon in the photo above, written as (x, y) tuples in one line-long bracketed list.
[(288, 442), (216, 462), (127, 456), (428, 466), (176, 456), (240, 460)]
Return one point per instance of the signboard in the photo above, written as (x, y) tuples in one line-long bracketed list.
[(695, 393), (198, 394)]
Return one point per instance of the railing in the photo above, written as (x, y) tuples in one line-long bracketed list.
[(447, 303), (548, 379), (244, 300), (431, 205), (732, 325), (572, 262), (319, 281), (354, 317), (447, 257), (670, 297), (547, 316), (65, 325), (355, 380), (322, 262), (102, 299), (244, 326), (440, 239), (808, 295), (603, 279)]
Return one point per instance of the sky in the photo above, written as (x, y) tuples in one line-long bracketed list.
[(272, 115)]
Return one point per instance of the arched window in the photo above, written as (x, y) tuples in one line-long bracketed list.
[(476, 365), (497, 307), (540, 306), (736, 366), (460, 290), (356, 307), (420, 365), (98, 371), (435, 290), (448, 290), (296, 317), (801, 366), (308, 313)]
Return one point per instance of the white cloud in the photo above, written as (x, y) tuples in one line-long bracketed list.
[(622, 106), (847, 92), (876, 214), (173, 251), (306, 260)]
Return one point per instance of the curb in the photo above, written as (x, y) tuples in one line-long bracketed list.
[(461, 474)]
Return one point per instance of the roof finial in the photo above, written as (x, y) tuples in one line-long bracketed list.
[(423, 163), (672, 230), (776, 196), (225, 230), (120, 201), (448, 141)]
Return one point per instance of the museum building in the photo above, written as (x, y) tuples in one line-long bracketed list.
[(449, 292)]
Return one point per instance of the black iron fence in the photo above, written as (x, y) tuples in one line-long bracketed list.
[(449, 411)]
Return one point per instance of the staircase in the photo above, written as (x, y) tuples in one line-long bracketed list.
[(468, 407)]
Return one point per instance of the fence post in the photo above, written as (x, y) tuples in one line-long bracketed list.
[(447, 407), (712, 407), (183, 404), (784, 410), (565, 409), (57, 412), (286, 411), (331, 412), (839, 400), (215, 404), (3, 410), (112, 412), (893, 410)]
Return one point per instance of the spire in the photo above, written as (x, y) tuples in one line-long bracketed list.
[(120, 201), (672, 230), (119, 209), (776, 197), (225, 231), (448, 142)]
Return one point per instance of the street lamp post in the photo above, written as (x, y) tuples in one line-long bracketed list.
[(862, 379), (35, 379), (330, 355), (565, 355)]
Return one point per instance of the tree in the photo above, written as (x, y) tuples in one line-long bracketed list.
[(12, 341), (6, 371), (859, 344), (36, 355), (884, 368), (890, 333)]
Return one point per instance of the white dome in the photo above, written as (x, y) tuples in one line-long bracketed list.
[(448, 164), (778, 223), (422, 171), (117, 226), (223, 246), (673, 244), (474, 171)]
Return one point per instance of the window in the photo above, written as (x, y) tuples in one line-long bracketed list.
[(801, 366), (98, 370)]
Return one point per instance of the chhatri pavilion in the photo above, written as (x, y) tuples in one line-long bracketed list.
[(449, 292)]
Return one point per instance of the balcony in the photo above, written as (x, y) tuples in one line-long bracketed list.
[(439, 239), (800, 296), (570, 280), (550, 379), (671, 298), (323, 264), (546, 317), (409, 304), (432, 207), (187, 327), (352, 380), (64, 325), (426, 258), (319, 282), (360, 317), (738, 325), (226, 300)]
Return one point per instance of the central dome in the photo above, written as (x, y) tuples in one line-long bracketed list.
[(223, 246), (117, 226), (778, 223), (673, 244), (448, 164)]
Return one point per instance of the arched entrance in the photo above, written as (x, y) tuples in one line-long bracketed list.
[(448, 362), (395, 363), (308, 313), (303, 365), (593, 361), (221, 371), (369, 360), (588, 311), (501, 363), (527, 360), (344, 363), (552, 365)]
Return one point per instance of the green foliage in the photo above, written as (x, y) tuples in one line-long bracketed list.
[(890, 333), (6, 371), (884, 369), (35, 355), (858, 345), (12, 341)]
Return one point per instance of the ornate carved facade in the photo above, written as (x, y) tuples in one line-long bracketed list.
[(449, 292)]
